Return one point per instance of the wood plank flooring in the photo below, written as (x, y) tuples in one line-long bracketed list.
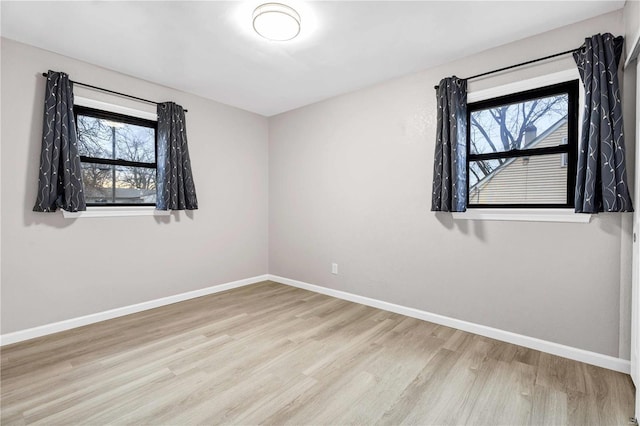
[(273, 354)]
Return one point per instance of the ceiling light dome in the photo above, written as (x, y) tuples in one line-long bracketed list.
[(277, 22)]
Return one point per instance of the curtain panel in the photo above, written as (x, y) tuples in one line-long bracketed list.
[(450, 162), (175, 188), (601, 181), (60, 174)]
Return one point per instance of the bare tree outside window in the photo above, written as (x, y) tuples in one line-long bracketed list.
[(117, 181), (509, 127), (517, 144), (137, 144), (94, 140)]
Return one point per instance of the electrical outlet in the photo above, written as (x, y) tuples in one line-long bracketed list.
[(334, 268)]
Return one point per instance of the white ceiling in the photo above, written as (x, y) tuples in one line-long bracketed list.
[(210, 48)]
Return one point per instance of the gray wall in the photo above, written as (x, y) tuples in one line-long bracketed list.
[(631, 23), (350, 182), (54, 268), (347, 180), (631, 14)]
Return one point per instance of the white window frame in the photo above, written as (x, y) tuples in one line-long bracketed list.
[(118, 109), (524, 214), (102, 211), (115, 211)]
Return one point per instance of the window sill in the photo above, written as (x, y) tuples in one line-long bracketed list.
[(524, 215), (116, 211)]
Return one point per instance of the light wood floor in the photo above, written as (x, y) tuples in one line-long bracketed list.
[(273, 354)]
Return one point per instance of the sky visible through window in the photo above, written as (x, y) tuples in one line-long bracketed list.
[(113, 140), (132, 143), (510, 126)]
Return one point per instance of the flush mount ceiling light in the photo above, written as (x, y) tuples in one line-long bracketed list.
[(277, 22)]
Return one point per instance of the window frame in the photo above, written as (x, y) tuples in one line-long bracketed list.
[(127, 119), (571, 88)]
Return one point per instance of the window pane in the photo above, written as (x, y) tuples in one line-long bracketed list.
[(136, 143), (535, 123), (94, 137), (128, 185), (539, 179), (99, 138)]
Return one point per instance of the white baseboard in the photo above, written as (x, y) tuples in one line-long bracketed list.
[(600, 360), (43, 330), (588, 357)]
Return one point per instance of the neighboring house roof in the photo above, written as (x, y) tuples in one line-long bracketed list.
[(536, 141)]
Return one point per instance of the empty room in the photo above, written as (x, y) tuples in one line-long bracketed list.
[(319, 212)]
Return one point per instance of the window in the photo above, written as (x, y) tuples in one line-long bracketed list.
[(522, 149), (118, 155)]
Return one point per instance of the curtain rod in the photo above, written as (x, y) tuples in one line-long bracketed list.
[(517, 65), (44, 74)]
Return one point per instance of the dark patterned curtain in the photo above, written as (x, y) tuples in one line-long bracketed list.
[(601, 184), (449, 171), (60, 175), (175, 188)]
